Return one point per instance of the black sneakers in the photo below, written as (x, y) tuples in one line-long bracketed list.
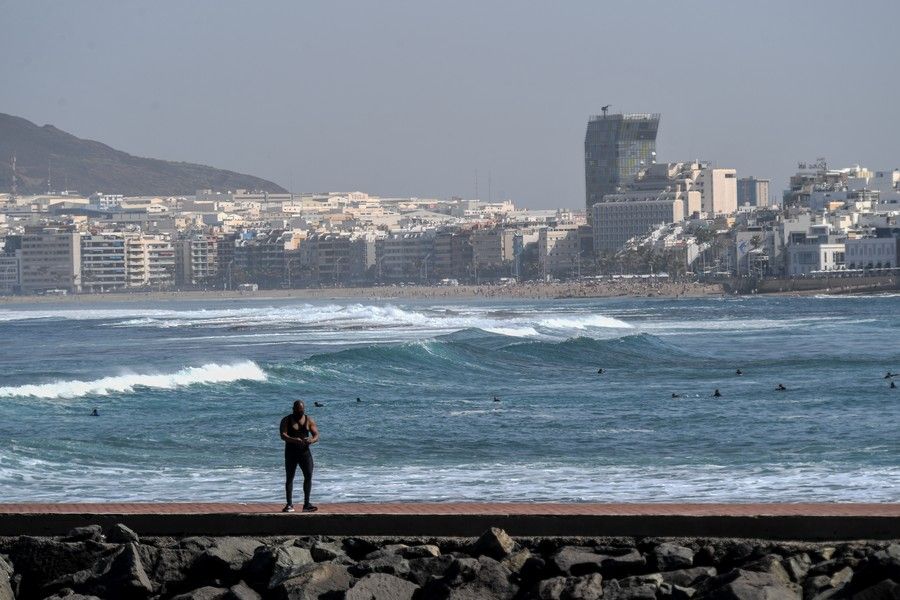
[(310, 508), (288, 508)]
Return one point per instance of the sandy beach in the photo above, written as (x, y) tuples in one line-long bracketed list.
[(576, 289)]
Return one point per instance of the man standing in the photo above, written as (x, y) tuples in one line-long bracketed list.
[(299, 432)]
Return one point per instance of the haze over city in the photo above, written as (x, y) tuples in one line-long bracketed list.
[(403, 98)]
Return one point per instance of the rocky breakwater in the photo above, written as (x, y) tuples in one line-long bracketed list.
[(92, 563)]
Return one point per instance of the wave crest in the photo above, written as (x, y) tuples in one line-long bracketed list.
[(205, 374)]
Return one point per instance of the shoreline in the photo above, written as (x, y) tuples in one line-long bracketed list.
[(531, 291)]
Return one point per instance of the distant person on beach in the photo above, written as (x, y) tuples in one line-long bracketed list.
[(717, 393), (299, 432)]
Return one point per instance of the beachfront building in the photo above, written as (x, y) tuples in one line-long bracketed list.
[(453, 254), (493, 252), (10, 278), (752, 192), (616, 148), (149, 261), (559, 250), (196, 260), (872, 253), (103, 262), (50, 260), (327, 258), (804, 259), (622, 216), (405, 256)]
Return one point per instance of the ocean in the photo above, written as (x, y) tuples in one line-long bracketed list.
[(190, 394)]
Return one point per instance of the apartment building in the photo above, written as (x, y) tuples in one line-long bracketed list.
[(149, 261), (103, 262), (50, 260), (559, 250)]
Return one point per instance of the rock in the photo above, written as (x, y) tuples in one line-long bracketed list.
[(288, 562), (325, 551), (381, 586), (739, 584), (494, 543), (392, 564), (671, 556), (823, 554), (813, 585), (516, 560), (841, 578), (613, 566), (825, 567), (797, 566), (119, 576), (242, 591), (771, 564), (469, 578), (587, 587), (613, 590), (205, 593), (120, 534), (224, 559), (41, 560), (577, 560), (69, 594), (357, 548), (168, 568), (6, 575), (92, 533), (681, 593), (425, 570), (883, 590), (317, 579), (388, 550), (423, 551), (688, 577)]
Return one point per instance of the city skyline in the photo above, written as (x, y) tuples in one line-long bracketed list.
[(315, 98)]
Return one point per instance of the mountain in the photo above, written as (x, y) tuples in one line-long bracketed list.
[(88, 166)]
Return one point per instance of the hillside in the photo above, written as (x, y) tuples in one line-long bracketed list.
[(88, 166)]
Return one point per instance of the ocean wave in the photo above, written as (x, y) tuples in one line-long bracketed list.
[(126, 383)]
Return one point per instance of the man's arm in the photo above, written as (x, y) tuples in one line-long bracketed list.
[(314, 432), (284, 433)]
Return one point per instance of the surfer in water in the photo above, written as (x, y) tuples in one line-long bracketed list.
[(780, 388), (717, 393), (299, 432)]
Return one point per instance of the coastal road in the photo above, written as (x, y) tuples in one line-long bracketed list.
[(804, 521)]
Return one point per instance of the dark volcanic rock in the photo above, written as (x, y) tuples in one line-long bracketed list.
[(6, 575), (270, 566), (242, 591), (671, 556), (421, 551), (119, 576), (797, 566), (92, 533), (425, 570), (587, 587), (207, 592), (739, 584), (317, 580), (577, 560), (688, 577), (613, 590), (41, 560), (771, 564), (69, 594), (357, 548), (883, 590), (494, 543), (223, 561), (381, 586), (392, 564), (327, 551), (120, 534), (167, 568)]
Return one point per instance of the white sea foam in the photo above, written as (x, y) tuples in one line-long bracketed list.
[(125, 383), (319, 317)]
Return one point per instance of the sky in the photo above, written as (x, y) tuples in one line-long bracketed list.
[(423, 98)]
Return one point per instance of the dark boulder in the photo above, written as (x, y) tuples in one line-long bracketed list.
[(391, 564), (317, 580), (420, 551), (242, 591), (424, 570), (613, 590), (6, 580), (41, 560), (883, 590), (92, 533), (771, 564), (381, 586), (207, 592), (739, 584), (494, 543), (797, 566), (587, 587), (121, 575), (120, 534), (270, 566), (672, 556), (327, 551), (688, 577), (577, 560), (168, 568), (222, 562), (357, 548)]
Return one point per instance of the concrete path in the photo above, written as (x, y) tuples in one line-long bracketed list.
[(774, 521)]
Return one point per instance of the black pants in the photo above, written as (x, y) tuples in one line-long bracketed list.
[(294, 456)]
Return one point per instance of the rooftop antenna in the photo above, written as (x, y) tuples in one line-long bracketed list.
[(605, 109)]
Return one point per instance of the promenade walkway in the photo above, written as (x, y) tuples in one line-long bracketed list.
[(773, 521)]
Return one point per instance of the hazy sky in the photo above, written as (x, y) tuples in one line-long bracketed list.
[(411, 98)]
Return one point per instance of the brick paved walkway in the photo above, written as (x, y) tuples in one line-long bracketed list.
[(450, 508)]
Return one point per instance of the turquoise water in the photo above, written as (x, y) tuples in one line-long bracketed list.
[(190, 395)]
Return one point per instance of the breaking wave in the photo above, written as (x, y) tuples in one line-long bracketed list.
[(205, 374)]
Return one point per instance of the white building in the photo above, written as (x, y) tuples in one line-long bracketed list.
[(803, 259), (718, 191), (150, 261), (103, 262), (620, 217), (559, 250), (872, 253)]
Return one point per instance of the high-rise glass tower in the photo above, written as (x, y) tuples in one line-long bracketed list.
[(616, 147)]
